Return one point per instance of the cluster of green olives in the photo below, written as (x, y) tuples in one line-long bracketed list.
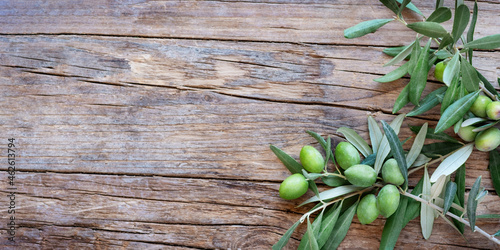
[(488, 139), (357, 174), (483, 107)]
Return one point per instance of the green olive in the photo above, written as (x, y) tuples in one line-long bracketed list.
[(493, 110), (391, 172), (311, 159), (347, 155), (293, 187), (361, 175), (488, 140), (388, 200), (439, 71), (467, 134), (479, 106), (367, 210)]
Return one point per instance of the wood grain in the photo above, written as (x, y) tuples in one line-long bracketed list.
[(147, 124)]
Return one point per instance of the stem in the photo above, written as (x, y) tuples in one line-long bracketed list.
[(487, 92), (332, 202), (334, 174), (464, 221)]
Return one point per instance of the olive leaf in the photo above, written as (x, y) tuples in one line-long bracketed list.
[(451, 94), (443, 54), (333, 181), (447, 40), (472, 121), (397, 150), (456, 111), (437, 187), (460, 180), (394, 51), (488, 216), (439, 3), (485, 127), (441, 14), (472, 203), (287, 160), (341, 227), (392, 5), (410, 6), (402, 99), (452, 162), (328, 152), (415, 55), (384, 147), (426, 212), (494, 166), (393, 225), (416, 148), (401, 56), (311, 242), (462, 16), (487, 42), (470, 79), (451, 69), (472, 27), (449, 195), (418, 79), (395, 74), (497, 234), (328, 223), (356, 140), (375, 133), (439, 149), (284, 239), (364, 28), (430, 101), (332, 193), (437, 136), (457, 212), (421, 160), (430, 29)]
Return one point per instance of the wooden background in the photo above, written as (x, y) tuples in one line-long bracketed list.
[(146, 124)]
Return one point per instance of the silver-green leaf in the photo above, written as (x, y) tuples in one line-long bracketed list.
[(416, 148), (487, 42), (456, 111), (472, 203), (462, 16), (426, 212), (356, 140), (332, 193), (430, 29), (284, 239), (364, 28), (441, 14), (452, 162), (451, 69)]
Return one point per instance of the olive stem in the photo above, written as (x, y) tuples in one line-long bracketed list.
[(332, 202), (487, 92), (334, 174), (464, 221)]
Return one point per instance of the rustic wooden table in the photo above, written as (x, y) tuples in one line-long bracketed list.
[(145, 124)]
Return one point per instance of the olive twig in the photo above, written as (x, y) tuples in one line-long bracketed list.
[(334, 174), (487, 92), (434, 206), (334, 201)]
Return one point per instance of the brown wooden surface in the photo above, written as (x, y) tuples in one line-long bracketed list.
[(146, 124)]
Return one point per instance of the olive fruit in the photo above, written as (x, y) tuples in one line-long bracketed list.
[(347, 155), (467, 134), (439, 71), (478, 108), (488, 140), (367, 210), (293, 187), (311, 159), (361, 175), (493, 110), (391, 172), (388, 200)]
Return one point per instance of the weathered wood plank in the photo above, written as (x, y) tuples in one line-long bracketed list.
[(275, 21), (171, 212)]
